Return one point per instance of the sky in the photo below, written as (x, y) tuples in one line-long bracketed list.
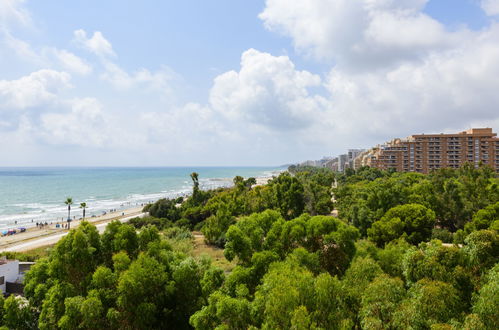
[(237, 82)]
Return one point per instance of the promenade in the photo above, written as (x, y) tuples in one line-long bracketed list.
[(34, 237)]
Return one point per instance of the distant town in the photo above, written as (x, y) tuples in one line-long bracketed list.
[(422, 153)]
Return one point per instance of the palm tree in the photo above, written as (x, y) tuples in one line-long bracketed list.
[(83, 206), (69, 202)]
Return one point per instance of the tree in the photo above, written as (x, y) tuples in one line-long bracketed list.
[(317, 189), (357, 278), (333, 240), (248, 235), (414, 221), (328, 310), (486, 306), (126, 239), (483, 219), (165, 209), (107, 241), (37, 282), (301, 320), (69, 202), (391, 257), (143, 290), (53, 307), (103, 286), (83, 206), (288, 193), (284, 288), (434, 261), (76, 256), (223, 310), (430, 302), (215, 227), (147, 235), (482, 248), (188, 295), (380, 301), (18, 314), (72, 318)]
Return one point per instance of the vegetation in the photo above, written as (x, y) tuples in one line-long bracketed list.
[(84, 207), (290, 264), (31, 255), (69, 202)]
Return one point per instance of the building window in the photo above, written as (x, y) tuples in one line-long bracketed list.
[(2, 280)]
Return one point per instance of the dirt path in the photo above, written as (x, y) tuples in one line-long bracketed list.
[(215, 253)]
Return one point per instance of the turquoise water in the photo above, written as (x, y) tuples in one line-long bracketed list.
[(30, 195)]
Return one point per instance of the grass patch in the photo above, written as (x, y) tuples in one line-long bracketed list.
[(216, 254), (30, 255)]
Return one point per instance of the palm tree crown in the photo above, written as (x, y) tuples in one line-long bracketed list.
[(69, 202), (83, 206)]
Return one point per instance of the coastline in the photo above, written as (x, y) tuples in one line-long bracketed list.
[(35, 195), (28, 240), (35, 237)]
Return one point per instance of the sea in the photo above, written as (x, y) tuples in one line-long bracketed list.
[(31, 195)]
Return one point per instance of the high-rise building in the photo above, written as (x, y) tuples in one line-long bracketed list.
[(425, 152), (352, 155), (342, 162)]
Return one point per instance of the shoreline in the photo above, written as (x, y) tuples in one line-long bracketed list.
[(28, 240), (35, 237), (33, 209)]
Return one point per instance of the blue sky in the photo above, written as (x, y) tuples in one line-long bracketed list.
[(198, 39), (237, 82)]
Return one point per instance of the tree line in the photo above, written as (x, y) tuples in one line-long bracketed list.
[(406, 251)]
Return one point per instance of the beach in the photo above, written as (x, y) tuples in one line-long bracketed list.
[(36, 195), (38, 236), (35, 237)]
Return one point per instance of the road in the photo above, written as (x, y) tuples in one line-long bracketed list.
[(54, 238)]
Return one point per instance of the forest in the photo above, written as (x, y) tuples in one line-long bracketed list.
[(402, 251)]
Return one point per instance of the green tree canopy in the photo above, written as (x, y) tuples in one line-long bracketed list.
[(414, 221)]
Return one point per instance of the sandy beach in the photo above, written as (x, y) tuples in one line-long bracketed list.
[(263, 180), (35, 237)]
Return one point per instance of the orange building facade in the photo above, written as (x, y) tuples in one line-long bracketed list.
[(426, 152)]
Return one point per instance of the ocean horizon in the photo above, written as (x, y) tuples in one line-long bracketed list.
[(36, 194)]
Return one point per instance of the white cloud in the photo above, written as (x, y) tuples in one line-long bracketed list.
[(191, 127), (38, 88), (358, 34), (12, 12), (159, 81), (85, 124), (267, 91), (97, 44), (447, 91), (395, 70), (21, 48), (491, 7), (71, 62)]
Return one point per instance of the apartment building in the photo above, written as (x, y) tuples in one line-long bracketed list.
[(426, 152), (351, 156), (342, 162)]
